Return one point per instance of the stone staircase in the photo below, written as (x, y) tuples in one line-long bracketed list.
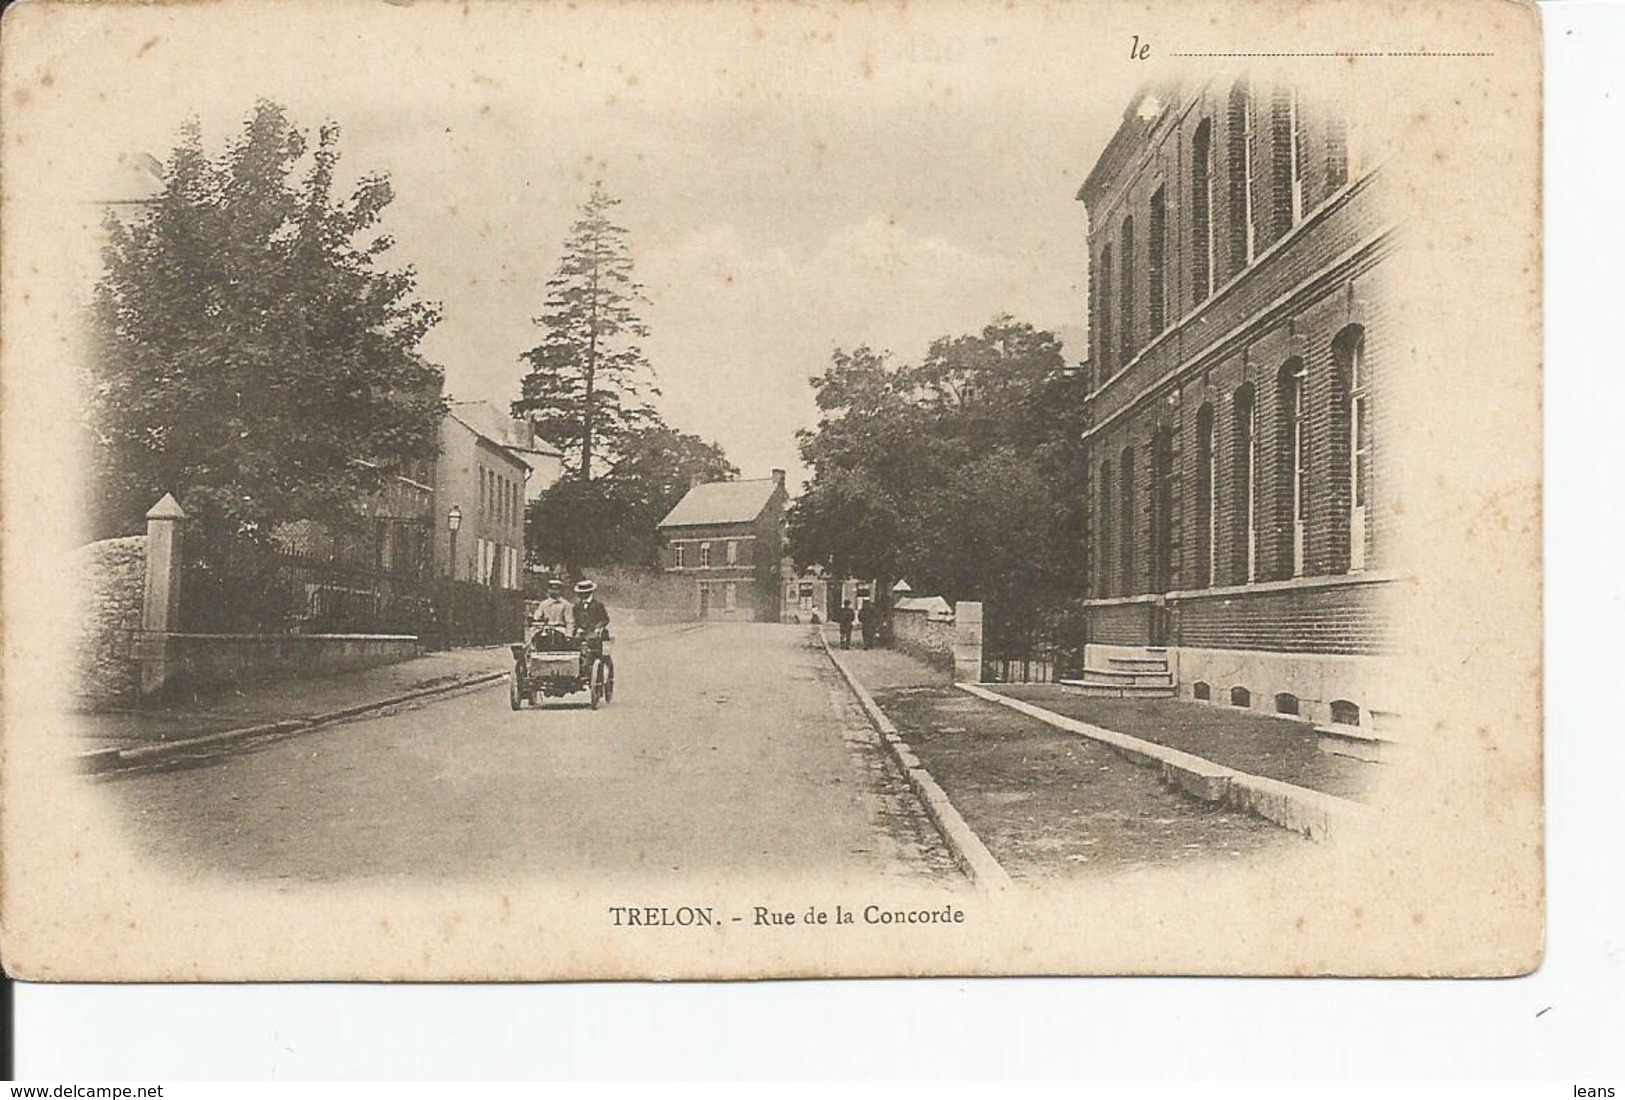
[(1125, 672)]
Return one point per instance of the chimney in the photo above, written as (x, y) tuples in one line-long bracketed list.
[(778, 480)]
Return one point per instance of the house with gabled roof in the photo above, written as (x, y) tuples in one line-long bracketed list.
[(728, 537)]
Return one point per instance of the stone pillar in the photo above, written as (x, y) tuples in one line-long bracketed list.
[(968, 642), (160, 607)]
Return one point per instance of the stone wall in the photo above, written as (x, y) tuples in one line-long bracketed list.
[(110, 576), (203, 664), (917, 634), (630, 587)]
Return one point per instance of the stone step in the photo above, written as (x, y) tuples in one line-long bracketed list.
[(1356, 742), (1158, 663), (1124, 677), (1118, 691)]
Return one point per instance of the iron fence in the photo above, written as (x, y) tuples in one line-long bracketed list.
[(1021, 646), (243, 585)]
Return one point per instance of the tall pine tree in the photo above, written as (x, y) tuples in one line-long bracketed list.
[(589, 383)]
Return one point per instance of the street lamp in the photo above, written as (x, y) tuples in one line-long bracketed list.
[(454, 520)]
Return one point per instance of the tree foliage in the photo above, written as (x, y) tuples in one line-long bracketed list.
[(589, 383), (612, 519), (958, 472), (249, 351)]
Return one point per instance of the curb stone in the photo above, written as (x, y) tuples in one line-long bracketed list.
[(1315, 814), (967, 848), (115, 759)]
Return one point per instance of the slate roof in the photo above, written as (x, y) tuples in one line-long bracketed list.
[(721, 502), (485, 419)]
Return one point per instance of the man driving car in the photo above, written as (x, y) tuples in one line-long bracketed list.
[(555, 615)]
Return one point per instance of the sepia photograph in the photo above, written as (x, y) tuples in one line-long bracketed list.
[(540, 491)]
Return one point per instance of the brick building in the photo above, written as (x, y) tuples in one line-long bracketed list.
[(729, 537), (1240, 505)]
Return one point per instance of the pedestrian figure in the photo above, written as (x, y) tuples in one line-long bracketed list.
[(843, 619), (868, 619)]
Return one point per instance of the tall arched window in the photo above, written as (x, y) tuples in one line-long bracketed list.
[(1244, 485), (1103, 522), (1354, 436), (1202, 212), (1125, 291), (1243, 230), (1296, 149), (1207, 499), (1125, 528), (1162, 510), (1157, 262), (1294, 458), (1284, 191), (1103, 314)]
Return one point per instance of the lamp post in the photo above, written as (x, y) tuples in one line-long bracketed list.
[(454, 520)]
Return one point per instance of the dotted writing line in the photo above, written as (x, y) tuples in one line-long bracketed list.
[(1337, 53)]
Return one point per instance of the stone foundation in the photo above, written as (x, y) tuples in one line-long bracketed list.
[(1316, 681)]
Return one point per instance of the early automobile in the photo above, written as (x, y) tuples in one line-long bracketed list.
[(553, 662)]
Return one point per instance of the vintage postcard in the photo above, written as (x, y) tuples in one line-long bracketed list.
[(609, 490)]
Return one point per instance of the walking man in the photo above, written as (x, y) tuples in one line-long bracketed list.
[(843, 619)]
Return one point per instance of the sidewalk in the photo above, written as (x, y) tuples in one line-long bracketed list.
[(1276, 748), (1048, 804), (288, 700)]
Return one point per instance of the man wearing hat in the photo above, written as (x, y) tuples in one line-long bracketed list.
[(592, 620), (590, 614), (555, 613)]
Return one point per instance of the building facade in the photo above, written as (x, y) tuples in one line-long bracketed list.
[(1240, 504), (483, 474), (806, 594), (728, 536)]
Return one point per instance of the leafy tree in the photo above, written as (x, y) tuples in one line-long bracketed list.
[(575, 523), (589, 382), (613, 518), (959, 472), (249, 352)]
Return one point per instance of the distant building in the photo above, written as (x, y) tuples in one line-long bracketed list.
[(516, 436), (805, 594), (1240, 504), (728, 536), (489, 467)]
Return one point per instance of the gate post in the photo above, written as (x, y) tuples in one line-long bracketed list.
[(968, 641), (161, 597)]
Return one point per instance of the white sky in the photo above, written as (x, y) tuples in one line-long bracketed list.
[(793, 181)]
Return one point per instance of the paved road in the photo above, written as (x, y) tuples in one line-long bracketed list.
[(731, 751)]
